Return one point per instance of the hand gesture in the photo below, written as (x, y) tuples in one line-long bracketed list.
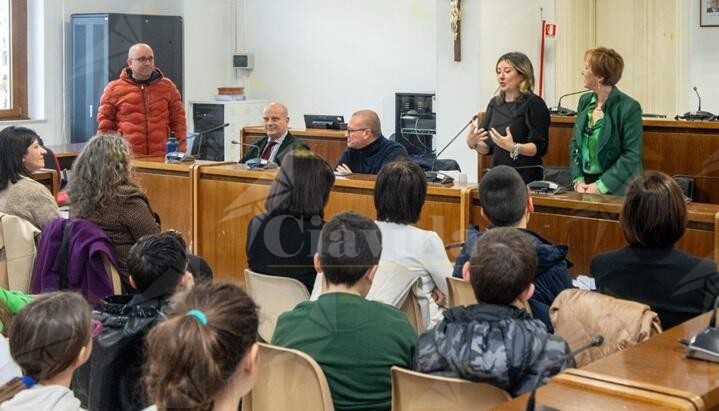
[(505, 142)]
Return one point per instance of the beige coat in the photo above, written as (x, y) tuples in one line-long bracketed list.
[(17, 252), (579, 315)]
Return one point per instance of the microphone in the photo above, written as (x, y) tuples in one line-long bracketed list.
[(558, 110), (699, 114), (255, 162), (596, 341), (433, 175), (200, 140)]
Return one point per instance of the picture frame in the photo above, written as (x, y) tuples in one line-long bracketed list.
[(709, 13)]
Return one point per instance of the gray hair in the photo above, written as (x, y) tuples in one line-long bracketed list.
[(102, 166)]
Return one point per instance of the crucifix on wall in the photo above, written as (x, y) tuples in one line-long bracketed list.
[(455, 17)]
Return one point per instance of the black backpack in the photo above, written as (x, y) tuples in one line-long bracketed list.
[(111, 378)]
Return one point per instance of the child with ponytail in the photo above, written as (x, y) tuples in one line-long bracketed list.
[(204, 356), (49, 338)]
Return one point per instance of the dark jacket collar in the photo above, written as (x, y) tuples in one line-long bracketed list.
[(127, 76)]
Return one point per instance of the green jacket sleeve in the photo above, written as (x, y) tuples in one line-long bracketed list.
[(575, 146), (629, 164)]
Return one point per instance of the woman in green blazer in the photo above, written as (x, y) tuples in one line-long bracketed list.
[(606, 149)]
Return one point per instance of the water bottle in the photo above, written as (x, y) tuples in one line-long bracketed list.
[(171, 145)]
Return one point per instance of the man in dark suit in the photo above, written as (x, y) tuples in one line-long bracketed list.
[(279, 141)]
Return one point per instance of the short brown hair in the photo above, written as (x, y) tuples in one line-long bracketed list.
[(654, 213), (502, 265), (370, 120), (605, 63), (399, 192)]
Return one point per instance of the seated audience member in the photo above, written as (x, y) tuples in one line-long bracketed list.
[(279, 141), (408, 252), (367, 149), (158, 269), (355, 341), (11, 302), (204, 356), (506, 202), (677, 286), (103, 191), (58, 325), (283, 240), (20, 195), (493, 341)]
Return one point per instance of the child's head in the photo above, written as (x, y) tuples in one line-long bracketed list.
[(156, 254), (349, 248), (49, 336), (206, 345), (502, 266)]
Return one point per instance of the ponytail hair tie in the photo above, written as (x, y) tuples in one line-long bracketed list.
[(199, 315), (28, 381)]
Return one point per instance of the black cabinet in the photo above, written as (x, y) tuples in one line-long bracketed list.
[(415, 123), (98, 53)]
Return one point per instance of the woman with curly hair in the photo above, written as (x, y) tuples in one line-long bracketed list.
[(103, 191)]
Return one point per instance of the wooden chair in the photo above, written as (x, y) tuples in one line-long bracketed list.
[(274, 295), (460, 292), (288, 380), (411, 307), (414, 391)]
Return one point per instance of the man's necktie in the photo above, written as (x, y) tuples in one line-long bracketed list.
[(268, 150)]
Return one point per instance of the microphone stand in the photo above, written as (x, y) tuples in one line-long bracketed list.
[(432, 174), (558, 110), (596, 341)]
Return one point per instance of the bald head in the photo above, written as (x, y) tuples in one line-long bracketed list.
[(141, 60), (276, 120)]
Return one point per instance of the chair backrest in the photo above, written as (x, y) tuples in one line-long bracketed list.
[(578, 315), (412, 390), (288, 380), (412, 308), (274, 295), (460, 292), (114, 275)]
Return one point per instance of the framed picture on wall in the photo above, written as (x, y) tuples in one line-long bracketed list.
[(709, 13)]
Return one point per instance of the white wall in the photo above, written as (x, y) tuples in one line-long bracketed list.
[(703, 65), (207, 51), (489, 29), (335, 57)]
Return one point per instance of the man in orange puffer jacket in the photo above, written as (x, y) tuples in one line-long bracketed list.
[(143, 105)]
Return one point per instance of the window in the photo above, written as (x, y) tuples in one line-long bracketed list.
[(13, 59)]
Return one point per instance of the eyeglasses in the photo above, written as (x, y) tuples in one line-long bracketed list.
[(143, 59), (96, 328), (352, 130)]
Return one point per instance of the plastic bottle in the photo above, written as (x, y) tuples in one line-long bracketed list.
[(171, 145)]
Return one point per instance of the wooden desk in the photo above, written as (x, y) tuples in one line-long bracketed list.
[(49, 179), (589, 224), (67, 153), (169, 187), (689, 148), (564, 392), (228, 196), (328, 144), (660, 364)]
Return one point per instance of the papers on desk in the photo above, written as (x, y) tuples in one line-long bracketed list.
[(584, 282)]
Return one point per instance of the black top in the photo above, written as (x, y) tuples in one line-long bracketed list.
[(369, 159), (677, 286), (284, 246), (528, 119)]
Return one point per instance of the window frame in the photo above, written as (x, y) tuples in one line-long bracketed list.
[(18, 67)]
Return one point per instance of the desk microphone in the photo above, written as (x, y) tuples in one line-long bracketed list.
[(256, 162), (596, 341), (699, 114), (433, 175), (558, 110)]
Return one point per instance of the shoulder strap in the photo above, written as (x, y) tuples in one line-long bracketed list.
[(62, 258)]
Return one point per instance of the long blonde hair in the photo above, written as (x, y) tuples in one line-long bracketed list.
[(520, 62)]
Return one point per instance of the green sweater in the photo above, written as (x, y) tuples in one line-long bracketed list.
[(14, 300), (355, 341), (620, 142)]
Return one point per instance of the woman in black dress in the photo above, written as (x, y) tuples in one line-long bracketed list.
[(515, 127)]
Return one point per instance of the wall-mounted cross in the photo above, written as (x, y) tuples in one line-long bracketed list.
[(455, 17)]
